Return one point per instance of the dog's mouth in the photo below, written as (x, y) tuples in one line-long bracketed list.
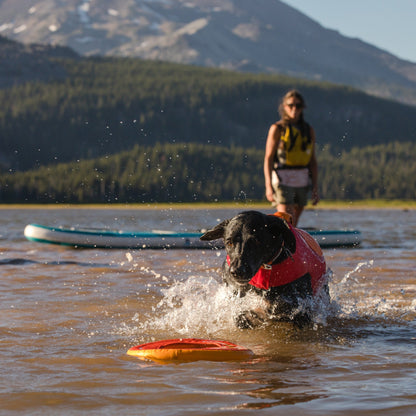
[(241, 281), (242, 273)]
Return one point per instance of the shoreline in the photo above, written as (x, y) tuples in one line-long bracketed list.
[(341, 205)]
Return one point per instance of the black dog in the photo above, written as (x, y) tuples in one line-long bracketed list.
[(269, 257)]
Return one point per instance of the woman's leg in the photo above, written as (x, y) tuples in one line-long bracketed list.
[(293, 209)]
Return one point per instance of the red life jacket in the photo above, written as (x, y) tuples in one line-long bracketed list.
[(308, 258)]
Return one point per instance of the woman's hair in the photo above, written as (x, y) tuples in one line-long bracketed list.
[(281, 109)]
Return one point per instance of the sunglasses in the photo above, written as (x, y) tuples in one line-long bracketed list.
[(297, 106)]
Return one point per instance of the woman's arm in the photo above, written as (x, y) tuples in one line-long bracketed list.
[(272, 142), (313, 169)]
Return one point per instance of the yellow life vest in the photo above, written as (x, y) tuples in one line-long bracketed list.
[(295, 149)]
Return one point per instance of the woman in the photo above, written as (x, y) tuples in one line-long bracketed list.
[(290, 163)]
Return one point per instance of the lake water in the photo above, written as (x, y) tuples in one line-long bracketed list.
[(68, 317)]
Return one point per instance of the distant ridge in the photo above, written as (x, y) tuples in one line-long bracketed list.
[(245, 35), (21, 63)]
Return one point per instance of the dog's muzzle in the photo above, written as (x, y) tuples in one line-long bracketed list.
[(240, 272)]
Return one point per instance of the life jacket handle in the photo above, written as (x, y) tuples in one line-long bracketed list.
[(286, 216)]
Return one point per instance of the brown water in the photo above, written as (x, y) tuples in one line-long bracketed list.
[(68, 317)]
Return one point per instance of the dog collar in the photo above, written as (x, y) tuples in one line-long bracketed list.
[(268, 266)]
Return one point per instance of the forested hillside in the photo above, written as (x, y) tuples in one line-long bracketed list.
[(191, 172), (104, 106), (263, 36)]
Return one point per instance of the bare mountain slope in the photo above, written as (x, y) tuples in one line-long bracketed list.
[(246, 35)]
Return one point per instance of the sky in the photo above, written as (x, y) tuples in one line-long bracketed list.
[(387, 24)]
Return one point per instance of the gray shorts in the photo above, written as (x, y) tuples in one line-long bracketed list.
[(288, 195)]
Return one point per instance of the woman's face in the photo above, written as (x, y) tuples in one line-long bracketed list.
[(293, 108)]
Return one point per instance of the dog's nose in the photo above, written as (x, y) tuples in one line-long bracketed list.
[(239, 272)]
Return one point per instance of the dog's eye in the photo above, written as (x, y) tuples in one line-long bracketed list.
[(254, 241)]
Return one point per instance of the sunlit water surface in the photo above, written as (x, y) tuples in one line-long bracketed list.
[(68, 317)]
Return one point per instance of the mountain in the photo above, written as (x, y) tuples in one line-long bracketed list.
[(245, 35)]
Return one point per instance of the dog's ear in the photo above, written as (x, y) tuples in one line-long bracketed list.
[(216, 232), (279, 227)]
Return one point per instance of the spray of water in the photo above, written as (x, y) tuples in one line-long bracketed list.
[(204, 306), (201, 306)]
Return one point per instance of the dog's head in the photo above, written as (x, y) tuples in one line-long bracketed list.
[(251, 239)]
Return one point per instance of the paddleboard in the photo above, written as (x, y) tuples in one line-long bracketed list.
[(190, 349), (105, 238)]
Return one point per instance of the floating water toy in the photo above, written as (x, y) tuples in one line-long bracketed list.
[(190, 349)]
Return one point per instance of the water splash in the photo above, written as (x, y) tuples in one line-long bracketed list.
[(365, 292), (348, 276), (201, 306)]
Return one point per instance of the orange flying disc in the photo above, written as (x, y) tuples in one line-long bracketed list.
[(190, 349)]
